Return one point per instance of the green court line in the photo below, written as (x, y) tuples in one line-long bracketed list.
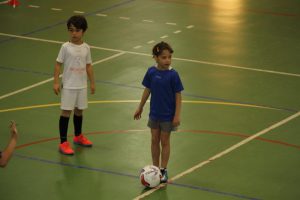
[(137, 101)]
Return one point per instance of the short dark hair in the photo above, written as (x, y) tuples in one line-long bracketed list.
[(78, 21), (160, 47)]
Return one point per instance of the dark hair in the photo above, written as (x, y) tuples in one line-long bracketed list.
[(78, 21), (160, 47)]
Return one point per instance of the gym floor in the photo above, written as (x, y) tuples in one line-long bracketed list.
[(239, 135)]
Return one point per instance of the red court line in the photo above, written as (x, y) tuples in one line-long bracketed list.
[(180, 131), (243, 136)]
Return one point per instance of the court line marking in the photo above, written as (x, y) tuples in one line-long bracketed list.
[(151, 41), (147, 20), (137, 47), (101, 15), (105, 171), (56, 9), (219, 155), (141, 88), (51, 79), (171, 23), (78, 12), (33, 6), (143, 130), (124, 18), (242, 135), (136, 101), (174, 58), (190, 26)]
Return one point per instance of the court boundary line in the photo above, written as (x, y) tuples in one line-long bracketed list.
[(110, 172), (51, 79), (180, 131), (222, 153), (174, 58), (129, 131), (141, 88), (47, 105), (110, 7)]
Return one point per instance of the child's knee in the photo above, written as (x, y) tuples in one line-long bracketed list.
[(66, 113), (155, 140), (77, 112)]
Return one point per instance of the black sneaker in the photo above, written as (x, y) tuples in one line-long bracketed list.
[(164, 176)]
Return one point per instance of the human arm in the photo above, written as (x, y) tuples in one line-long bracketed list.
[(56, 85), (139, 110), (7, 153), (178, 100), (90, 73)]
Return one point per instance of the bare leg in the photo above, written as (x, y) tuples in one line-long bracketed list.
[(77, 112), (155, 147), (165, 144), (66, 113)]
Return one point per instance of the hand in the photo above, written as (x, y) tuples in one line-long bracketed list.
[(13, 129), (56, 88), (138, 114), (176, 121), (93, 88)]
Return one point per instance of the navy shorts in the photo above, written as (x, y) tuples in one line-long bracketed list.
[(165, 126)]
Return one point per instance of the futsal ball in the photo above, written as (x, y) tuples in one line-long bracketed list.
[(150, 176)]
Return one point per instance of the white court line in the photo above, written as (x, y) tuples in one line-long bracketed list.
[(190, 26), (27, 88), (174, 58), (238, 67), (226, 151), (164, 36), (147, 20), (78, 12), (51, 79), (151, 41), (137, 47), (171, 23), (33, 6), (101, 15), (3, 2), (108, 58), (125, 18), (56, 9)]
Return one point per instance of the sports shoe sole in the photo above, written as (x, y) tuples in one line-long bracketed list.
[(84, 145), (67, 154)]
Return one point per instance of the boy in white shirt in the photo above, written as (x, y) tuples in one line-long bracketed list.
[(75, 56)]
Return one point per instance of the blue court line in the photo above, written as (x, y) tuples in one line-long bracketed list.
[(138, 87), (215, 191), (74, 166), (65, 21), (131, 176)]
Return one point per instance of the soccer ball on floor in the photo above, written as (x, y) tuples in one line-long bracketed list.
[(150, 176)]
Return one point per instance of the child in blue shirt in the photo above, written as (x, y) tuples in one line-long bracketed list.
[(164, 85)]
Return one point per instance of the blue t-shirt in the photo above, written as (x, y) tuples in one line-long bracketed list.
[(163, 85)]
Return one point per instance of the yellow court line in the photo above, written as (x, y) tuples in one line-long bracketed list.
[(229, 104), (137, 101)]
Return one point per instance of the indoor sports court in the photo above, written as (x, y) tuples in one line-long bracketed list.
[(240, 120)]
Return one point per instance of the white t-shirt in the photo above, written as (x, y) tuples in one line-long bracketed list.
[(74, 58)]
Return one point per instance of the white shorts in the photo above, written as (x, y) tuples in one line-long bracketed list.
[(74, 98)]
